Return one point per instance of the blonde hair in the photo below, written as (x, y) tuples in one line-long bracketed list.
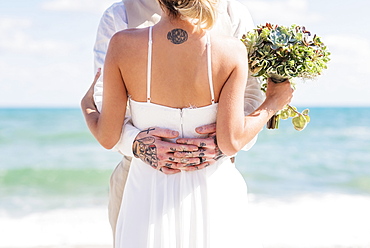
[(203, 12)]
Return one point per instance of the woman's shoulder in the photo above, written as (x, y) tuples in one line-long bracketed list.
[(229, 46), (129, 39), (130, 34)]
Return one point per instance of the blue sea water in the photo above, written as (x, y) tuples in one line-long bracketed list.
[(331, 155), (50, 152), (50, 161)]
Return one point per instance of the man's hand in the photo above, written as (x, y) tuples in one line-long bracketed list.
[(208, 152), (151, 149), (87, 102)]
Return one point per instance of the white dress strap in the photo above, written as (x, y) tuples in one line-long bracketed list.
[(209, 68), (149, 68)]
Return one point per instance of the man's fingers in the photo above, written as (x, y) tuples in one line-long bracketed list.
[(161, 132), (164, 147), (167, 164), (168, 167), (213, 135), (206, 129), (199, 142), (206, 153), (191, 162), (97, 75), (169, 171), (185, 160), (205, 164)]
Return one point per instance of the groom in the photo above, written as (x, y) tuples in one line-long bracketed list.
[(234, 20)]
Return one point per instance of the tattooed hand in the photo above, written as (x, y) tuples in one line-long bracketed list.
[(150, 147), (208, 152)]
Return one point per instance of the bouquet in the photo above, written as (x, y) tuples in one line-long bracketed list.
[(282, 53)]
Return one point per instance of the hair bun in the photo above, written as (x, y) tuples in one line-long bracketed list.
[(202, 11), (181, 3)]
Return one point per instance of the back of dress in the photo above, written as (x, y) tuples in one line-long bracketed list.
[(197, 209), (185, 120)]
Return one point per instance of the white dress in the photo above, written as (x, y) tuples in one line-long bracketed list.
[(199, 209)]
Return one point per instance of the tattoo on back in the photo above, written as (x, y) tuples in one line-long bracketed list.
[(177, 36), (146, 150)]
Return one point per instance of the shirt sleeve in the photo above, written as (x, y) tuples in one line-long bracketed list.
[(242, 22), (113, 20), (240, 17), (128, 135)]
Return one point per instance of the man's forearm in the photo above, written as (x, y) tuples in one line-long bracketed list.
[(253, 98), (90, 113), (88, 107), (128, 135)]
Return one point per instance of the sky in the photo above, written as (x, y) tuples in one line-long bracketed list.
[(46, 57)]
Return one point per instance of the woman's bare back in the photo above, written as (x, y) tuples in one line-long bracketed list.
[(179, 71)]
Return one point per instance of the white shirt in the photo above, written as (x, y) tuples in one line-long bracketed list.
[(233, 19)]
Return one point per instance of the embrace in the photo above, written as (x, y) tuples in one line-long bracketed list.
[(177, 101)]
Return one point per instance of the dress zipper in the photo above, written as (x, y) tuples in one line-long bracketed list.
[(181, 123)]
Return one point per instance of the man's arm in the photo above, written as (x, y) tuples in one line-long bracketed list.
[(242, 23), (113, 20), (107, 28)]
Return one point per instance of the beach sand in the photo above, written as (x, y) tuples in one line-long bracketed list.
[(93, 246), (311, 221), (110, 246), (76, 246)]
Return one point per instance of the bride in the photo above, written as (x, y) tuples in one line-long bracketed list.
[(178, 75)]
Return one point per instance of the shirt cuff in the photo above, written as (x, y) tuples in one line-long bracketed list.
[(128, 135), (98, 94)]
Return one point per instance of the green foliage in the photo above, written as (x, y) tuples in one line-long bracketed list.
[(299, 120), (281, 53), (289, 52)]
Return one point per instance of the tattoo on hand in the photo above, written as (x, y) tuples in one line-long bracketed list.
[(191, 164), (146, 150), (219, 153), (147, 130), (177, 36)]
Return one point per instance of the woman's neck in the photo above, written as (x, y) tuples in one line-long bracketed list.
[(170, 23)]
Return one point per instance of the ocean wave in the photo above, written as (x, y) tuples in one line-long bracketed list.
[(52, 181)]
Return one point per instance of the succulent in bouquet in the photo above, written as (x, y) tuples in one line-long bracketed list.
[(282, 53)]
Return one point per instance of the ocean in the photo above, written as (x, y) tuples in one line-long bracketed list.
[(306, 189)]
